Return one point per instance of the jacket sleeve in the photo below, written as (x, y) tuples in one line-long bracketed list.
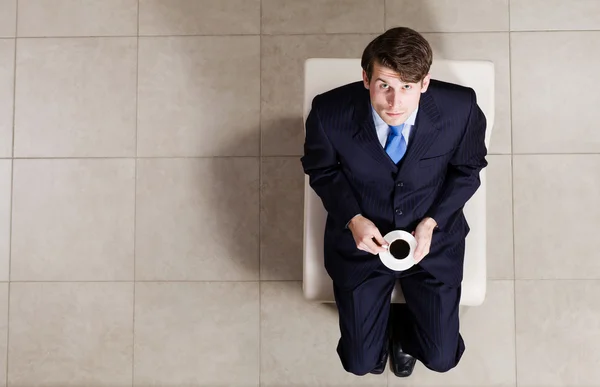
[(320, 163), (462, 179)]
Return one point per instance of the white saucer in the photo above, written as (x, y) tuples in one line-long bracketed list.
[(399, 264)]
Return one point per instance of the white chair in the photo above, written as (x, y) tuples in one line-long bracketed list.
[(323, 74)]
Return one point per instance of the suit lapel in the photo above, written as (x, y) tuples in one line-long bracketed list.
[(426, 129), (365, 133)]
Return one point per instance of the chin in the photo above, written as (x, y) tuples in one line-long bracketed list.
[(397, 121)]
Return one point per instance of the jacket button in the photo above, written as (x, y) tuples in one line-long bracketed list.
[(398, 211), (400, 184)]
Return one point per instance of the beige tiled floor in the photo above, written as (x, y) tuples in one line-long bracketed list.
[(75, 97), (151, 191)]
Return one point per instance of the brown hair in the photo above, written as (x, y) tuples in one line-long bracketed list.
[(401, 49)]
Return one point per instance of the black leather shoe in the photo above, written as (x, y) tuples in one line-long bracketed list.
[(380, 367), (402, 363)]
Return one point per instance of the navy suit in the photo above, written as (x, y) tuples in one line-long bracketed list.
[(351, 173)]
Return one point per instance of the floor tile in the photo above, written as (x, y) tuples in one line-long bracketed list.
[(206, 100), (73, 220), (282, 209), (448, 15), (197, 219), (197, 334), (535, 15), (199, 17), (77, 18), (75, 97), (558, 331), (70, 334), (557, 216), (543, 113), (322, 16)]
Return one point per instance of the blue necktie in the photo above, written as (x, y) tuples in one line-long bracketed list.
[(396, 144)]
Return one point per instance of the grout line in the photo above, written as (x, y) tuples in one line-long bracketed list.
[(536, 31), (135, 183), (264, 280), (277, 34), (133, 36), (549, 153), (255, 157), (290, 34), (132, 157), (260, 156), (557, 279), (139, 281), (12, 183), (78, 37), (512, 188)]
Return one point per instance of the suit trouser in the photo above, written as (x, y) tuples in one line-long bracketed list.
[(427, 325)]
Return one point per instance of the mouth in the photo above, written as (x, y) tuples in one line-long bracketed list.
[(394, 114)]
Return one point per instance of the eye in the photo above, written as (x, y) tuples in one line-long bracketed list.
[(385, 86), (407, 87)]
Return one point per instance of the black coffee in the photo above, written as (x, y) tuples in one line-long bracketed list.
[(400, 249)]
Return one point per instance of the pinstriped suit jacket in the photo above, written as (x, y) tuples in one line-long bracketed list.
[(351, 173)]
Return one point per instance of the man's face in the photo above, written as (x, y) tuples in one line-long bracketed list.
[(393, 99)]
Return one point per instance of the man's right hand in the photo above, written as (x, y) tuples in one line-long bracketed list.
[(366, 235)]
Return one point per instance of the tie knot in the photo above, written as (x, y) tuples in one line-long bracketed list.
[(397, 130)]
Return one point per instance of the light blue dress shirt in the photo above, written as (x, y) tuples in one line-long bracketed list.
[(383, 129)]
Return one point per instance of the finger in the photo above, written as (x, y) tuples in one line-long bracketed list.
[(418, 251), (380, 246), (361, 247), (417, 256), (379, 239), (423, 250), (373, 248), (426, 250)]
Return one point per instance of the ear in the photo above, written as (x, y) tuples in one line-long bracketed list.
[(365, 79), (425, 83)]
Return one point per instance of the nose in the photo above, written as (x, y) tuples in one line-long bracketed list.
[(394, 99)]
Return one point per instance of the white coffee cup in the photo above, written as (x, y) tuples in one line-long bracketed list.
[(405, 254)]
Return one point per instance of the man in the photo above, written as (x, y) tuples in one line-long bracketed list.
[(397, 150)]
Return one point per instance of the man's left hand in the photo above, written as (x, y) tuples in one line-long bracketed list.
[(423, 234)]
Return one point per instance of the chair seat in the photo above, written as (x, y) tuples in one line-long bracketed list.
[(322, 74)]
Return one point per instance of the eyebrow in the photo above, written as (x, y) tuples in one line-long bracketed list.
[(384, 81)]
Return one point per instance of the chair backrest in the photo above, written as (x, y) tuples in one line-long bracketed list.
[(323, 74)]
